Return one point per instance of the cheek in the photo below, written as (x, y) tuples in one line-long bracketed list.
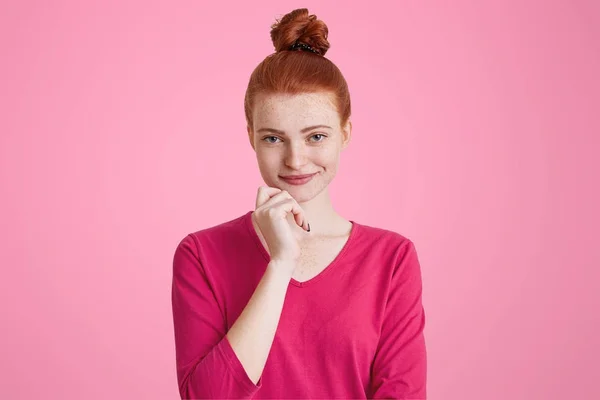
[(265, 156), (329, 156), (267, 161)]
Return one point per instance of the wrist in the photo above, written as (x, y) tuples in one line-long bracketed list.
[(281, 268)]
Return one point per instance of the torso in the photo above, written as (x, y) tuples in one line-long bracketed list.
[(317, 253)]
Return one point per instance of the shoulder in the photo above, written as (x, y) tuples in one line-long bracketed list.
[(382, 237), (392, 248), (216, 236)]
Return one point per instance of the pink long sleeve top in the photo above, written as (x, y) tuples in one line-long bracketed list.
[(353, 331)]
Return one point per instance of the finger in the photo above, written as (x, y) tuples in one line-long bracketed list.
[(292, 206), (289, 206), (282, 196), (274, 199), (265, 193)]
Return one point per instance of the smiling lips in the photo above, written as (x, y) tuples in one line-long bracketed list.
[(298, 179)]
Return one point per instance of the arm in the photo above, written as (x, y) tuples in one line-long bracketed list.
[(400, 363), (252, 334), (211, 362)]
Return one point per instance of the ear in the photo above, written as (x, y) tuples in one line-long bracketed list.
[(346, 134), (250, 137)]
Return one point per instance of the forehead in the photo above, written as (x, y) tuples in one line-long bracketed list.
[(300, 109)]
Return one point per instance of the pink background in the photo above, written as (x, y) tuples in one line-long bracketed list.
[(475, 134)]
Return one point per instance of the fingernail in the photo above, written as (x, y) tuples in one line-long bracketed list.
[(308, 227)]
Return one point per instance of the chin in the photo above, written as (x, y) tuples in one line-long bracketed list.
[(304, 194)]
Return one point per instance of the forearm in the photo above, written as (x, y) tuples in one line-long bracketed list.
[(251, 336)]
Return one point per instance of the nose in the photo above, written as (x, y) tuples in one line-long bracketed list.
[(295, 155)]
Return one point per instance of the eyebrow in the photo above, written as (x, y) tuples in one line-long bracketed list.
[(304, 130)]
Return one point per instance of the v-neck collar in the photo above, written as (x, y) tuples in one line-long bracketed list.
[(331, 266)]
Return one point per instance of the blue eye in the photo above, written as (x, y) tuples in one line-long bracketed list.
[(267, 138), (270, 137)]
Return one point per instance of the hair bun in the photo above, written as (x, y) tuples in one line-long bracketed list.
[(299, 26)]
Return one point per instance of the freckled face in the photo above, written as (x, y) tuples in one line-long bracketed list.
[(297, 135)]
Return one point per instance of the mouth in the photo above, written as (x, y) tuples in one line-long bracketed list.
[(297, 179)]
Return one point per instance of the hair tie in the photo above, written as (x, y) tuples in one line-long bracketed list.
[(302, 46)]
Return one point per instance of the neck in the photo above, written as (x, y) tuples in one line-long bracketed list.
[(320, 213)]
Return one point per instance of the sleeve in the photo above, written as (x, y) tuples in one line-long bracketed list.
[(207, 366), (399, 368)]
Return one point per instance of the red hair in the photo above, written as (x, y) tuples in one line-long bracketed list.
[(294, 72)]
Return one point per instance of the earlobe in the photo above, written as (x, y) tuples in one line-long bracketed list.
[(347, 134)]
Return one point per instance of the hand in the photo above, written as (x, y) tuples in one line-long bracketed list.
[(273, 206)]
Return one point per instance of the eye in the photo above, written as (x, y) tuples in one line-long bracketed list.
[(321, 135), (266, 139)]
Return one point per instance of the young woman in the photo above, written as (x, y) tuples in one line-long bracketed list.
[(292, 300)]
